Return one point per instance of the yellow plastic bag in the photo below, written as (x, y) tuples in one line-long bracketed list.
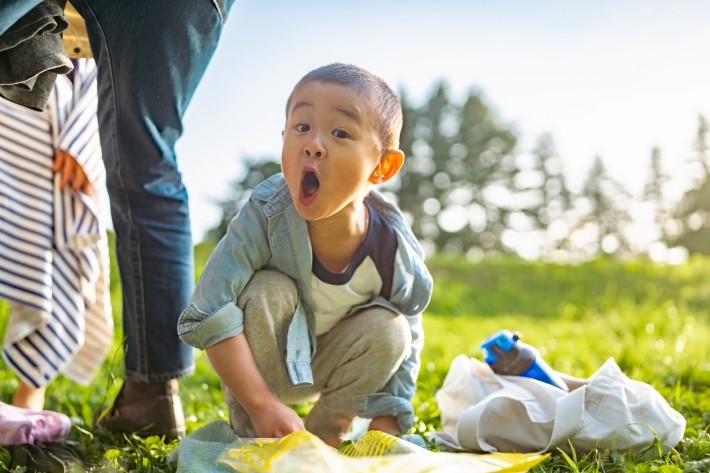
[(303, 452)]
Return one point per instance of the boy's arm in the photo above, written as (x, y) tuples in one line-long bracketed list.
[(234, 362)]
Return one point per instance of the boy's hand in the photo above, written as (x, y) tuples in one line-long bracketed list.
[(72, 173), (276, 420), (233, 361)]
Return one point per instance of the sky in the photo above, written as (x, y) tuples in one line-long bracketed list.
[(609, 78)]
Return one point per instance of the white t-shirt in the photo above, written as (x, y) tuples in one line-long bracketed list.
[(368, 275)]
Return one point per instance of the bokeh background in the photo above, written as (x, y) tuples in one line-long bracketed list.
[(605, 83)]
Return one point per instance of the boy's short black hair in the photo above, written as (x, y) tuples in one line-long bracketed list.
[(386, 107)]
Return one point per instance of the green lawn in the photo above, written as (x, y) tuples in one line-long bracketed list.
[(654, 320)]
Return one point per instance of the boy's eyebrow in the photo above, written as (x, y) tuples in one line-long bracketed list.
[(351, 114), (298, 105)]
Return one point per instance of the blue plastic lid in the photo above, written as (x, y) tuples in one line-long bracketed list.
[(504, 340)]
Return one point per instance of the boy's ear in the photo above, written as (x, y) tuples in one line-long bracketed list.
[(390, 163)]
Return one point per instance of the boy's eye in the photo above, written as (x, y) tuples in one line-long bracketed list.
[(340, 134), (302, 127)]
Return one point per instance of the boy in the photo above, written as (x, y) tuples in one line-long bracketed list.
[(317, 289)]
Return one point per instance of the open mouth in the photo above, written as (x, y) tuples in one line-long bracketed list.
[(309, 185)]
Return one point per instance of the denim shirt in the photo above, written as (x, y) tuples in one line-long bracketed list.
[(268, 233)]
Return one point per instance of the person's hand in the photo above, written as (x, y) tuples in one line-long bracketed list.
[(72, 173), (276, 420), (233, 361)]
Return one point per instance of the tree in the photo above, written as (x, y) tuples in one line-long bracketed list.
[(693, 211), (654, 193), (423, 144), (542, 198), (257, 171), (602, 205), (702, 157), (459, 173)]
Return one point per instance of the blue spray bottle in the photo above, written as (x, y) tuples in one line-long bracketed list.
[(506, 354)]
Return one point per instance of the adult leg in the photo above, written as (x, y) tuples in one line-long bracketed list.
[(151, 57)]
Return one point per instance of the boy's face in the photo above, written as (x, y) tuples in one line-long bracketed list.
[(330, 149)]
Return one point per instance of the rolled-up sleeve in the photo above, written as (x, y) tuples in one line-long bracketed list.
[(374, 405), (213, 314), (202, 330)]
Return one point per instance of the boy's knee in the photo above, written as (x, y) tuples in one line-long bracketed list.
[(401, 337), (270, 279), (272, 288), (269, 302), (391, 334)]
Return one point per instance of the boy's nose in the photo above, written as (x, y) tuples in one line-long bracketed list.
[(315, 149)]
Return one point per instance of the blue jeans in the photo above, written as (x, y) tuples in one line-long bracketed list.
[(151, 56)]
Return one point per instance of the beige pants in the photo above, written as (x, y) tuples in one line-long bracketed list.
[(357, 356)]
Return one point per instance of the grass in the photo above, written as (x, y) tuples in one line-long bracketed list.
[(654, 320)]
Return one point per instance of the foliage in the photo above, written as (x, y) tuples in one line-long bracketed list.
[(654, 192), (651, 318), (548, 199), (693, 211), (606, 203), (702, 157), (470, 189), (460, 168), (257, 171)]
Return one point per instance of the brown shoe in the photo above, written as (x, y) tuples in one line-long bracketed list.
[(147, 409)]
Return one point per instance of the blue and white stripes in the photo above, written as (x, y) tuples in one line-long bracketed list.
[(26, 209), (53, 248)]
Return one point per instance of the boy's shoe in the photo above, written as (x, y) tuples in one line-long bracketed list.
[(146, 409)]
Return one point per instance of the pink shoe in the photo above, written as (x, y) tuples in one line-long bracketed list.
[(15, 427), (19, 425)]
